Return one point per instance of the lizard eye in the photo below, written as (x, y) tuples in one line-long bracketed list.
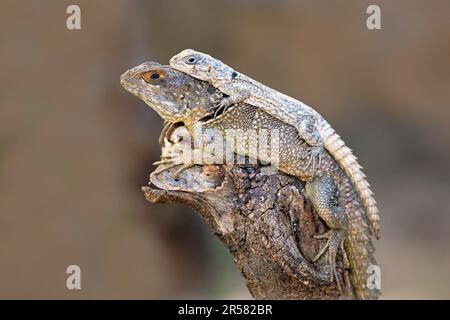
[(152, 76), (191, 60)]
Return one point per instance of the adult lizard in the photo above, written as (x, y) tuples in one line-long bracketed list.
[(311, 126), (178, 97)]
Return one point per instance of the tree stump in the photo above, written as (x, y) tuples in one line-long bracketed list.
[(266, 223)]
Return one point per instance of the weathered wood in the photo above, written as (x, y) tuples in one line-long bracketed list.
[(266, 223)]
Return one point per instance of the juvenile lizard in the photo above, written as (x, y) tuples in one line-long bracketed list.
[(178, 97), (311, 126)]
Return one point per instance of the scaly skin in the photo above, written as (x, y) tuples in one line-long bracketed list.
[(328, 187), (311, 126), (174, 98)]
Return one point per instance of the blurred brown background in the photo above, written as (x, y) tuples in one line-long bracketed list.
[(75, 147)]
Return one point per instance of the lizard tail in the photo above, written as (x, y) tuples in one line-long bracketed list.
[(358, 243), (348, 162)]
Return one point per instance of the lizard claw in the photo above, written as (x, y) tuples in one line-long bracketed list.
[(345, 260), (172, 156), (335, 241), (181, 169), (229, 101), (315, 158), (222, 105), (167, 164), (165, 167), (169, 127), (163, 161)]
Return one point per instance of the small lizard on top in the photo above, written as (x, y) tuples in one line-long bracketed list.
[(311, 126)]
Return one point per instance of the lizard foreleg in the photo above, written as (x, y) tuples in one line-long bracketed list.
[(178, 152), (238, 97), (307, 130)]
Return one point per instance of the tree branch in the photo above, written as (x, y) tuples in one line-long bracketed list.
[(266, 223)]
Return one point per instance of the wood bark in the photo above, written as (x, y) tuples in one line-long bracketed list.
[(266, 223)]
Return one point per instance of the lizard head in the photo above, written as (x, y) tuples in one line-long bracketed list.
[(202, 66), (169, 92)]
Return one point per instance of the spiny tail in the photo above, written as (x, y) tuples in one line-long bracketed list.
[(348, 162), (358, 244)]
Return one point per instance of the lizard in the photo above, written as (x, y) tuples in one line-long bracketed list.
[(311, 126), (177, 97)]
